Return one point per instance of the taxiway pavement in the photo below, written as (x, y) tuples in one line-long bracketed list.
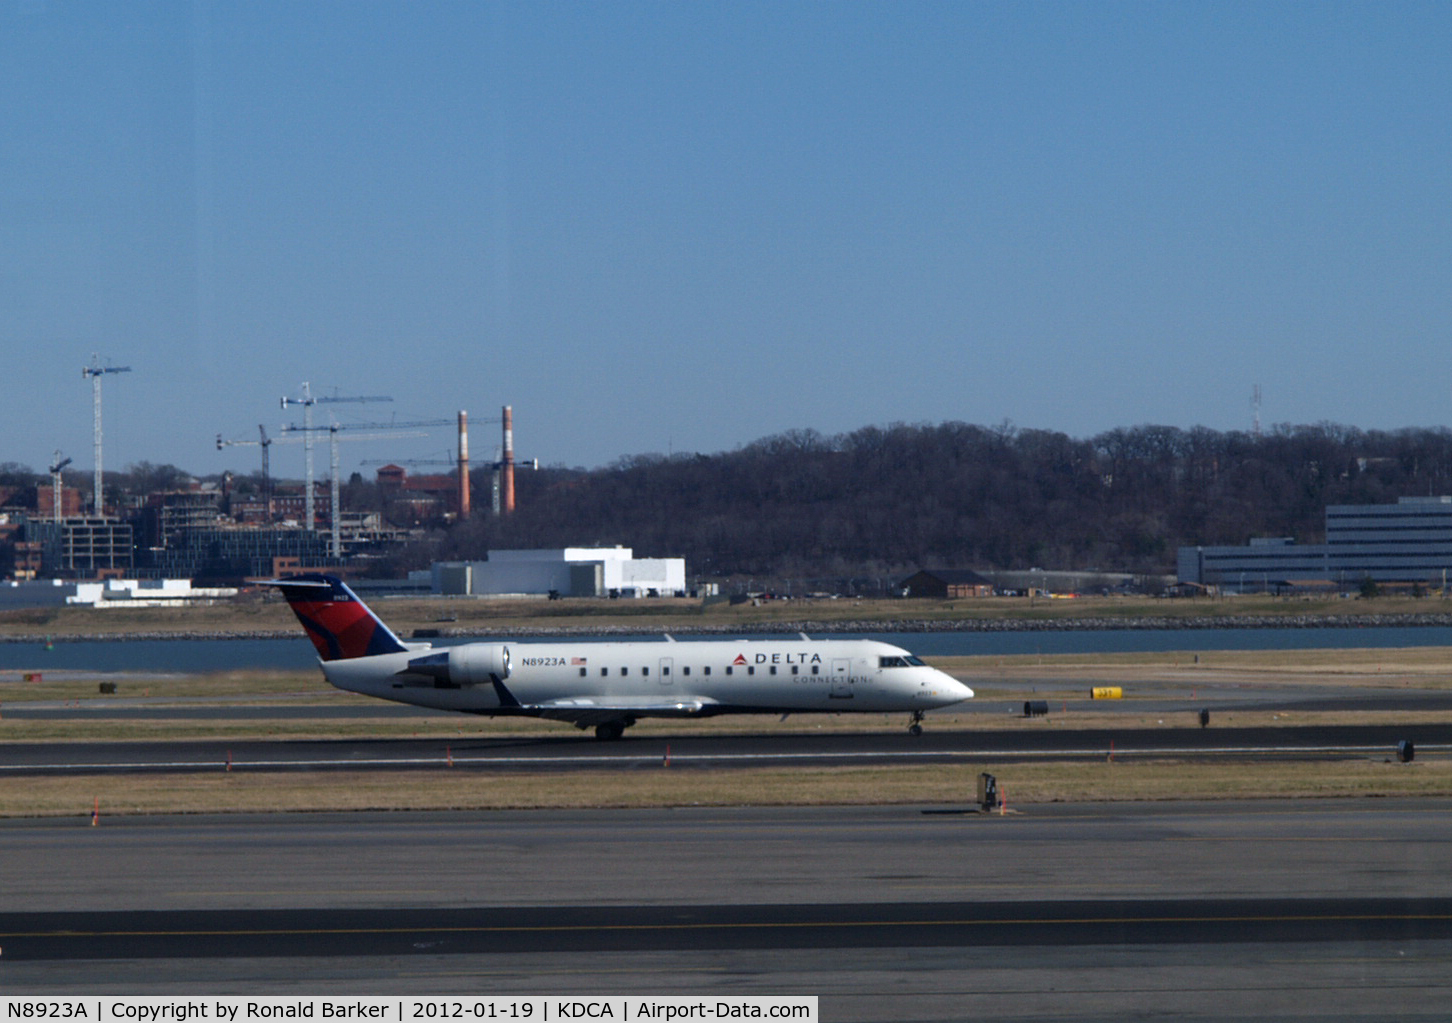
[(571, 751), (1336, 909)]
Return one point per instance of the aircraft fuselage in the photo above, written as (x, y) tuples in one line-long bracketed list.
[(722, 676)]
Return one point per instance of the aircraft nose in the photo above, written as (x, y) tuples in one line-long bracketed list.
[(956, 687), (947, 690)]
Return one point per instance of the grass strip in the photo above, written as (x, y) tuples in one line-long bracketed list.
[(267, 613), (463, 789)]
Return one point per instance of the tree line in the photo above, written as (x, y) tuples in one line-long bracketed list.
[(884, 501), (878, 503)]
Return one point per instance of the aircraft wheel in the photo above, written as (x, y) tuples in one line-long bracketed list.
[(915, 729), (610, 730)]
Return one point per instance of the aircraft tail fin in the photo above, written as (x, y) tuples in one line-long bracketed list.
[(340, 625)]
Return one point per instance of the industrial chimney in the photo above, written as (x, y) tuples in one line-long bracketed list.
[(463, 465), (508, 496)]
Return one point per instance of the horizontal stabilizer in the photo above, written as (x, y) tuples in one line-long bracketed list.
[(298, 583)]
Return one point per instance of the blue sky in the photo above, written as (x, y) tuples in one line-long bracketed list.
[(657, 227)]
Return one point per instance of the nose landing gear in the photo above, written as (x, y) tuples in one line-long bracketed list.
[(915, 727)]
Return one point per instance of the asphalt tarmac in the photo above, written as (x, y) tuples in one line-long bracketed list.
[(1336, 909), (573, 751), (1309, 910), (544, 930)]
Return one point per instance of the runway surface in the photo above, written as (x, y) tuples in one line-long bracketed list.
[(1335, 909), (572, 751), (229, 934)]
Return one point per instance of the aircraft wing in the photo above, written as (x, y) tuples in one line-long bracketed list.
[(585, 711)]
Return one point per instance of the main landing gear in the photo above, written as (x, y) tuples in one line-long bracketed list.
[(609, 731), (916, 726)]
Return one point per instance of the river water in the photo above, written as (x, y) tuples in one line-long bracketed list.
[(203, 655)]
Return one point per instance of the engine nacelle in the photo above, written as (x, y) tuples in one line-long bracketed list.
[(478, 663), (469, 665)]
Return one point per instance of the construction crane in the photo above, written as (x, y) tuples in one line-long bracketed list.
[(417, 424), (334, 429), (95, 371), (266, 444), (450, 461), (307, 401), (503, 466), (55, 486)]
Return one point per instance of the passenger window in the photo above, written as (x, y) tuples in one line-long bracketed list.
[(795, 670), (751, 671), (645, 671), (665, 670), (686, 669), (582, 672), (706, 670), (624, 671), (773, 669), (816, 670), (604, 671), (728, 669)]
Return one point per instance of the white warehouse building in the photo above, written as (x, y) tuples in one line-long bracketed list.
[(109, 593), (570, 572)]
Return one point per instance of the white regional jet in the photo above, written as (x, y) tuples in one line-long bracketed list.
[(611, 685)]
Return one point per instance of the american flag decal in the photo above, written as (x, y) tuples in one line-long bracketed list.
[(577, 661)]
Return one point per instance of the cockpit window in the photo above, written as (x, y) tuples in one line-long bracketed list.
[(914, 660), (892, 662)]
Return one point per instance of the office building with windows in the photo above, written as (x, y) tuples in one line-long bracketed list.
[(1409, 543)]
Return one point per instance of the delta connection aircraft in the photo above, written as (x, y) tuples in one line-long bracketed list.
[(611, 685)]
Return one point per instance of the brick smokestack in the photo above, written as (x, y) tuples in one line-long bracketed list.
[(463, 465), (507, 498)]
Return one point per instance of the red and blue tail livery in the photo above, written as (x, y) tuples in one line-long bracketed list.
[(340, 625)]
